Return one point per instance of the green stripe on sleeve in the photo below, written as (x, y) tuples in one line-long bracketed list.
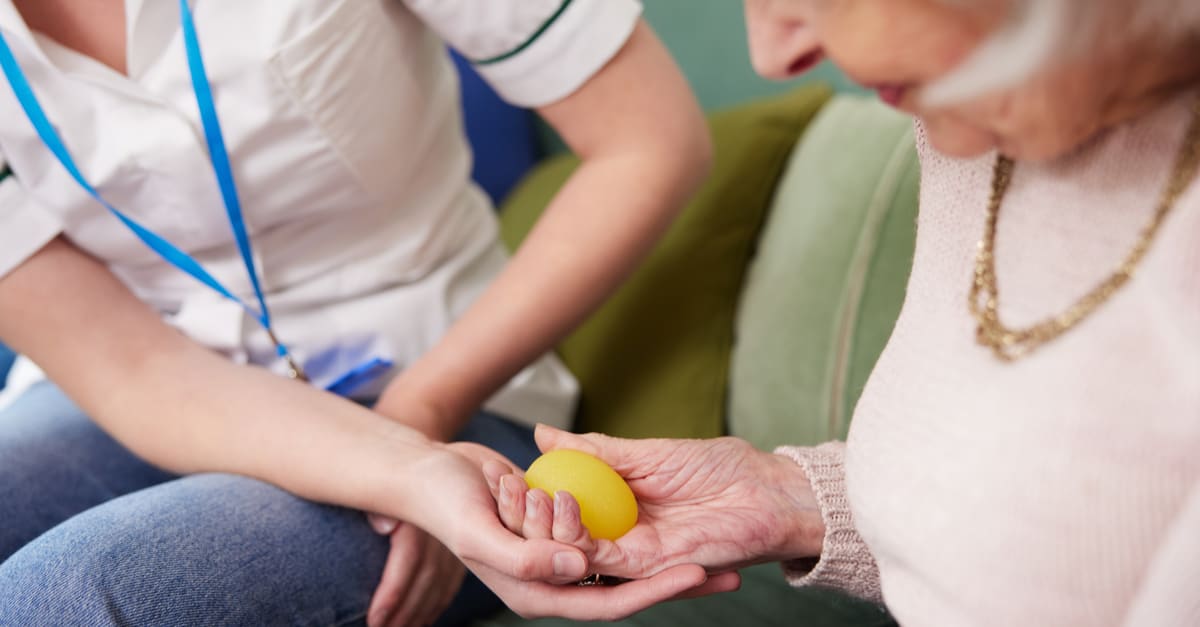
[(528, 42)]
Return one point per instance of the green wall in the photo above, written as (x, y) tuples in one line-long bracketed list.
[(708, 38)]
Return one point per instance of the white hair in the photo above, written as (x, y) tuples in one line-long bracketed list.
[(1038, 32)]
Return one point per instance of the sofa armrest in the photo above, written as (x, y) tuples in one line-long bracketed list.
[(826, 287)]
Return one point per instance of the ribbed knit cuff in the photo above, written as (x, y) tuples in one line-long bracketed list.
[(845, 562)]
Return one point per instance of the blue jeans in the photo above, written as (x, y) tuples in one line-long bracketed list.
[(92, 535)]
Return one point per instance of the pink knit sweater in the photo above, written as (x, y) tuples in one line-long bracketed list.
[(1064, 488)]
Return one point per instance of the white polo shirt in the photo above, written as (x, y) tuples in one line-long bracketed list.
[(343, 127)]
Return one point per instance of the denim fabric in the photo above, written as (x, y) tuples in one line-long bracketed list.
[(91, 535)]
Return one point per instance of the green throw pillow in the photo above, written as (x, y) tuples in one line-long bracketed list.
[(826, 287), (654, 360)]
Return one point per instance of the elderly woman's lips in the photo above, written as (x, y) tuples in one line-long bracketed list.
[(805, 63), (891, 94)]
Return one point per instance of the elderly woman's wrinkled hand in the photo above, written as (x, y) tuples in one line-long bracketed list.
[(718, 503)]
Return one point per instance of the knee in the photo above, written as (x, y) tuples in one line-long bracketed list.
[(120, 563), (51, 581), (217, 549), (28, 503), (108, 566)]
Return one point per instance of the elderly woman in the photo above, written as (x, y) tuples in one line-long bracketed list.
[(1026, 449)]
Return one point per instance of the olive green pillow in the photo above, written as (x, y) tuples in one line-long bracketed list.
[(654, 360)]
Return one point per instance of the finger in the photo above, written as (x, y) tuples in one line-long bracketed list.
[(404, 558), (539, 516), (383, 525), (424, 586), (511, 503), (522, 560), (448, 581), (716, 584), (493, 472), (456, 572), (568, 526), (604, 603), (618, 602), (625, 456), (551, 438), (481, 455)]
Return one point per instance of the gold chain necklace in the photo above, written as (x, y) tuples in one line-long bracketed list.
[(984, 300)]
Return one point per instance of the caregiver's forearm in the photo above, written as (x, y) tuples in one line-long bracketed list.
[(644, 149), (185, 408)]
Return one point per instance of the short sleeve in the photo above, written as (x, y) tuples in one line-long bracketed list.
[(25, 227), (533, 52)]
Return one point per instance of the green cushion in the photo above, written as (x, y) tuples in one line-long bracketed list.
[(764, 600), (654, 360), (826, 287)]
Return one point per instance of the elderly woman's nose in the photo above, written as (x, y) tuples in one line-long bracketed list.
[(781, 45)]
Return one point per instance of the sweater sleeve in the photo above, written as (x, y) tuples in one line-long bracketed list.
[(845, 562)]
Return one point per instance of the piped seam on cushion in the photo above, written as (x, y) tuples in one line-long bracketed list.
[(850, 310)]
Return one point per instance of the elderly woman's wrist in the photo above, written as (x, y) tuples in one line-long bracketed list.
[(802, 526)]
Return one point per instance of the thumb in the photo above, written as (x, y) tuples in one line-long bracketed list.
[(526, 560), (625, 456), (383, 525), (552, 438)]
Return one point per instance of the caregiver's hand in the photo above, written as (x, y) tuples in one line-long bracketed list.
[(419, 580), (719, 503), (155, 395), (458, 508)]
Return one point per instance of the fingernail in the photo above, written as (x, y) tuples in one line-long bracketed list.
[(568, 564), (382, 526)]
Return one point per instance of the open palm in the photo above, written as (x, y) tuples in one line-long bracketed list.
[(718, 503), (525, 573)]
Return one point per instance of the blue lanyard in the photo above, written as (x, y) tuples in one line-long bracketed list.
[(217, 154)]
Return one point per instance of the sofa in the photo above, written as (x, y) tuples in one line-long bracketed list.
[(762, 311)]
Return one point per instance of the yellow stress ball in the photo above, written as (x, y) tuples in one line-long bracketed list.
[(606, 504)]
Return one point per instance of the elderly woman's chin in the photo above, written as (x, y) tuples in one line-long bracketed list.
[(965, 142), (958, 138)]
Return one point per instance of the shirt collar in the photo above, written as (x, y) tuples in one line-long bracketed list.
[(149, 29), (16, 30)]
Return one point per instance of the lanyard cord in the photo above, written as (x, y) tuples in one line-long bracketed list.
[(218, 155)]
